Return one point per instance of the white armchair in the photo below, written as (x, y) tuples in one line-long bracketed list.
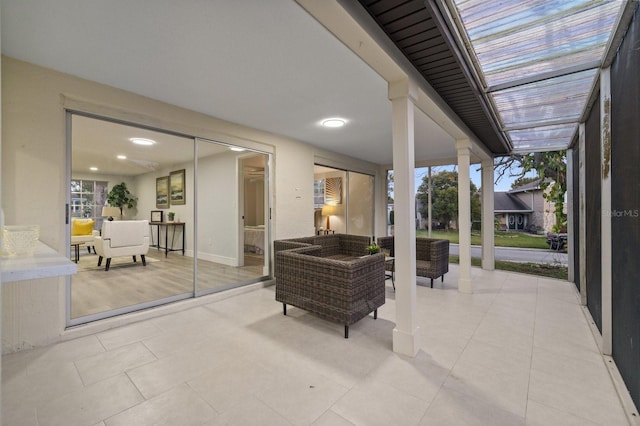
[(122, 238)]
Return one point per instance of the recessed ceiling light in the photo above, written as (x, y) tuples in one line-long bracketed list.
[(236, 149), (334, 122), (122, 157), (93, 169), (142, 141)]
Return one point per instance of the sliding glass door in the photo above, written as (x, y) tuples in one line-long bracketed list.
[(360, 203), (232, 235), (343, 201), (207, 207)]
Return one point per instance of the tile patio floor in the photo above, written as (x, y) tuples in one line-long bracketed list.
[(518, 351)]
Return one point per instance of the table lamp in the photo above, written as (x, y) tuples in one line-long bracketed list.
[(328, 210), (110, 212)]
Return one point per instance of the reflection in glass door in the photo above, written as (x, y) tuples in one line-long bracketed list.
[(232, 214), (105, 154), (214, 210), (343, 201), (361, 204)]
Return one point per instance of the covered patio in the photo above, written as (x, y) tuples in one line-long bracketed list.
[(519, 350), (489, 347)]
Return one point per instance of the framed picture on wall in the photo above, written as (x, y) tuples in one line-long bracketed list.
[(333, 191), (176, 187), (162, 192), (156, 215)]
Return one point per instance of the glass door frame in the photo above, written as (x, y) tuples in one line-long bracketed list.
[(268, 199)]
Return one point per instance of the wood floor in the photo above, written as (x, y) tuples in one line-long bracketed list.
[(94, 290)]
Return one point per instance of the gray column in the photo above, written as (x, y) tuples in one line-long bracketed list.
[(405, 335), (570, 224), (488, 240), (605, 241), (582, 231), (464, 215), (429, 216)]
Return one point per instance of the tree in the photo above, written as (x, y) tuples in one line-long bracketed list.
[(444, 198), (552, 175), (523, 180), (120, 196)]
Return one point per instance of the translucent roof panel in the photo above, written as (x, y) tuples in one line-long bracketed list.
[(548, 138), (538, 60), (559, 99), (514, 39)]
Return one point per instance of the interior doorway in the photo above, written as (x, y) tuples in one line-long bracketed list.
[(254, 217)]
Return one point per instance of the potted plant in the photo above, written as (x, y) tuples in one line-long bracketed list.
[(120, 197), (171, 216), (373, 248)]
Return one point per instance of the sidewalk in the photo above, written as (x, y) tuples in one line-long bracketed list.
[(516, 254)]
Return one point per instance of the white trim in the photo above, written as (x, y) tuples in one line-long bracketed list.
[(620, 386)]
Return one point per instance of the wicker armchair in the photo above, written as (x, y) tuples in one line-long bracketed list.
[(334, 246), (340, 290), (432, 256)]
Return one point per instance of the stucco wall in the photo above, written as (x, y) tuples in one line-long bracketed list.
[(35, 177)]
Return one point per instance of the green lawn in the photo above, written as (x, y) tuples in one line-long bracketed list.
[(502, 239), (541, 269), (507, 239)]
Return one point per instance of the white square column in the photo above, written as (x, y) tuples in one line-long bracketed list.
[(405, 335), (464, 214), (488, 240)]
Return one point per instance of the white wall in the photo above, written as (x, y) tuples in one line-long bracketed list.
[(218, 214), (34, 175)]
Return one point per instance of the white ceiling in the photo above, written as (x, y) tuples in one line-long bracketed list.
[(98, 144), (264, 64)]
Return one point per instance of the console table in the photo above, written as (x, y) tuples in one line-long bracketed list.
[(166, 226)]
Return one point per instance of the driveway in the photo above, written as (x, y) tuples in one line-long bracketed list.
[(519, 254)]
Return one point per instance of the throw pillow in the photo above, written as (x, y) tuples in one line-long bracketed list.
[(82, 227)]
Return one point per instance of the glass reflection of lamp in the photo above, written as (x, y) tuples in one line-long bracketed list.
[(329, 210), (110, 212)]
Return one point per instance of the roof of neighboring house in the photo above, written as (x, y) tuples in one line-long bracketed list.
[(505, 202), (535, 186)]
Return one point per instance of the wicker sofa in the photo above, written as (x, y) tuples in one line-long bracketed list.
[(432, 256), (330, 276), (335, 246)]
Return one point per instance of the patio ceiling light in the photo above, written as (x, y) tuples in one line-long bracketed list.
[(334, 122), (143, 141)]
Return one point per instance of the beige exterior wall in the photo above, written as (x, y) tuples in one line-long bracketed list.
[(35, 176)]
